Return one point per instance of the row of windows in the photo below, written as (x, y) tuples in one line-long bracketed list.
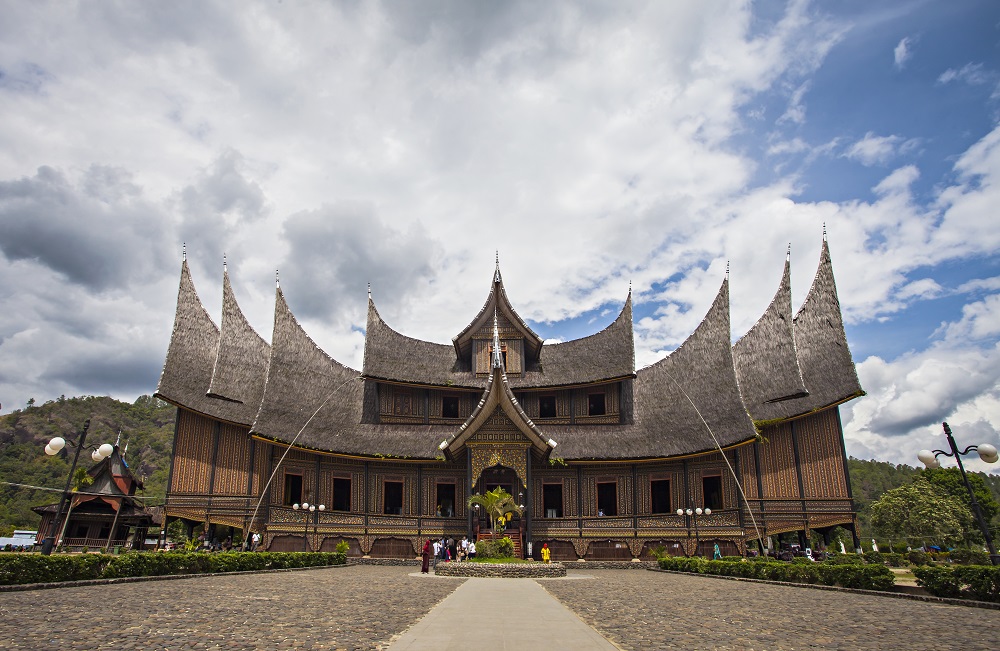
[(596, 405), (552, 496)]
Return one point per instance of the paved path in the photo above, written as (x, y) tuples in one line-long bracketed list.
[(500, 614), (365, 607)]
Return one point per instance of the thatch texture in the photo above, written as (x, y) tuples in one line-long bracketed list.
[(821, 347), (241, 362), (607, 355), (766, 364), (302, 379), (497, 303), (194, 342), (665, 421)]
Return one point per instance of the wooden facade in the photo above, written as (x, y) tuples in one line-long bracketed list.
[(601, 455)]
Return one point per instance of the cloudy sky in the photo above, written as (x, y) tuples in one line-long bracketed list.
[(590, 144)]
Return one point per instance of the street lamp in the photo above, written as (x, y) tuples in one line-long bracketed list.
[(988, 453), (308, 509), (694, 513), (53, 448)]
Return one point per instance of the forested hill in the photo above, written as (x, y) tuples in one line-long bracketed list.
[(147, 425)]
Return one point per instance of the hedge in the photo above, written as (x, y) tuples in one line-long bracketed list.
[(866, 577), (35, 568), (979, 582)]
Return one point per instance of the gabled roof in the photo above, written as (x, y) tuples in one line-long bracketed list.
[(497, 395), (670, 400), (821, 348), (766, 363), (604, 356), (497, 303), (241, 361)]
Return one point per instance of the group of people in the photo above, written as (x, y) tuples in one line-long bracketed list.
[(447, 549)]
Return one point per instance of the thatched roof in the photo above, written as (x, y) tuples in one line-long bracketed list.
[(662, 408), (607, 355), (666, 423), (497, 303), (821, 349), (241, 362), (766, 364)]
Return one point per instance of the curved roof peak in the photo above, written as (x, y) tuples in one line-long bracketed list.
[(497, 304)]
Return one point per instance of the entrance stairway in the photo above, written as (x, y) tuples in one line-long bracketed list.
[(515, 537)]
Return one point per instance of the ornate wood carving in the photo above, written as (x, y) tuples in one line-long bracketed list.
[(580, 545), (486, 456)]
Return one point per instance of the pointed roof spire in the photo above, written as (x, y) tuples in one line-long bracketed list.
[(184, 251), (727, 269), (369, 291), (496, 272), (276, 282), (225, 265), (497, 357), (788, 253), (824, 231)]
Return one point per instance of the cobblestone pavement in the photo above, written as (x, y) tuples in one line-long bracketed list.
[(653, 610), (338, 608)]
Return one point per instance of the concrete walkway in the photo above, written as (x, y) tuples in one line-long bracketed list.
[(500, 614)]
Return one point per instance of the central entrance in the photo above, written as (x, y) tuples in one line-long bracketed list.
[(507, 479)]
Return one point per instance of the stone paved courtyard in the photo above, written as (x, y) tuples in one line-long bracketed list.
[(364, 607)]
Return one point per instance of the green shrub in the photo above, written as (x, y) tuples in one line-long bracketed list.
[(499, 548), (343, 547), (969, 557), (980, 582), (918, 557), (893, 559), (845, 559), (853, 575), (35, 568), (873, 557)]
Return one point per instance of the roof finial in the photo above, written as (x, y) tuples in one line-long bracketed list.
[(727, 269), (369, 291), (119, 439), (788, 252), (225, 266), (496, 274), (184, 251), (497, 357), (276, 283), (824, 231)]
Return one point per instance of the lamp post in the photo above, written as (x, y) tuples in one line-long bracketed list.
[(308, 509), (694, 514), (987, 453), (53, 448)]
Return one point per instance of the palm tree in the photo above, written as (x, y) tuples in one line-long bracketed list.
[(498, 504)]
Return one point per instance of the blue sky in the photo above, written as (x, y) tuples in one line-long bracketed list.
[(595, 146)]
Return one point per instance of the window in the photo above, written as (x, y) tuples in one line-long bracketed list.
[(659, 496), (552, 500), (393, 498), (712, 490), (446, 500), (449, 407), (341, 494), (595, 404), (402, 403), (546, 406), (83, 529), (293, 489), (607, 498)]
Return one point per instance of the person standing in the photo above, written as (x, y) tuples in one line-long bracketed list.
[(546, 553), (472, 549), (426, 556)]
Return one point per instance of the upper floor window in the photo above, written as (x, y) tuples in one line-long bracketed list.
[(393, 498), (449, 407), (546, 406), (595, 404), (341, 494), (712, 491), (659, 496), (293, 489)]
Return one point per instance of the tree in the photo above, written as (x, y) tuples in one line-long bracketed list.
[(949, 480), (498, 504), (920, 511)]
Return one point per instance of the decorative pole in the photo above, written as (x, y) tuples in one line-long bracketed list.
[(987, 453)]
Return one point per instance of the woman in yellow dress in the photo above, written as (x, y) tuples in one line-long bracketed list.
[(546, 553)]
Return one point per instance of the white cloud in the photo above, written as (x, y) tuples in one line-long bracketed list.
[(872, 149), (902, 52)]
